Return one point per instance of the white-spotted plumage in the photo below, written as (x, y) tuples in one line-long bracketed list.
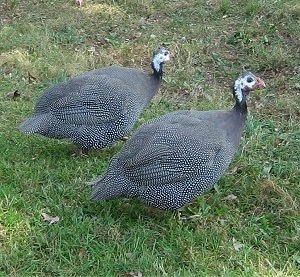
[(174, 158), (98, 107)]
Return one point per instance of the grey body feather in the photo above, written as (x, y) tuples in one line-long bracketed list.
[(93, 109), (176, 157), (172, 159)]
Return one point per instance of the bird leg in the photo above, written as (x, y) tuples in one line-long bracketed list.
[(80, 153), (177, 215)]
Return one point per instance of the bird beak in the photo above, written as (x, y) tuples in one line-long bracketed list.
[(259, 83), (171, 55)]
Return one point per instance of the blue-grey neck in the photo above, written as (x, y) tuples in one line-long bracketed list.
[(157, 73), (240, 104)]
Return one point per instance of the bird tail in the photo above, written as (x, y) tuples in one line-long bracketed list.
[(33, 124), (107, 187)]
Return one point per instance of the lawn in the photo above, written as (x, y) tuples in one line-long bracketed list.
[(248, 225)]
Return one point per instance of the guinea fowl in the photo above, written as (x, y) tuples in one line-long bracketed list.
[(174, 158), (98, 107)]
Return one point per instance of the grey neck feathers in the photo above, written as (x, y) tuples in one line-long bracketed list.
[(157, 70), (240, 100), (237, 119)]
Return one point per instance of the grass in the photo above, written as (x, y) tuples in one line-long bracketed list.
[(256, 234)]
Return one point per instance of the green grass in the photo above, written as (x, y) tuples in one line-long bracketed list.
[(212, 41)]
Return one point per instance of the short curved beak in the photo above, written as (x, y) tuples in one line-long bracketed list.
[(259, 83), (171, 55)]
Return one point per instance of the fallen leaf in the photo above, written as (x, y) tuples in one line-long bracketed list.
[(129, 255), (31, 78), (13, 94), (230, 197), (191, 216), (297, 230), (297, 86), (266, 170), (82, 253), (234, 170), (277, 141), (237, 245), (49, 218), (297, 261)]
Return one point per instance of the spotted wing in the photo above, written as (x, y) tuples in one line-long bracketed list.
[(94, 102), (172, 150)]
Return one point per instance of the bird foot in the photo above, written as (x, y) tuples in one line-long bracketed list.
[(89, 183), (177, 215), (125, 138), (80, 153)]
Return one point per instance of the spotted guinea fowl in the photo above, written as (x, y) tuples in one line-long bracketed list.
[(98, 107), (174, 158)]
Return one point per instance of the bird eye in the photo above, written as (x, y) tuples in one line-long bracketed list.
[(249, 79), (166, 53)]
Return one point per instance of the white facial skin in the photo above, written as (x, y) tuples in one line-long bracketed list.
[(244, 84), (161, 57)]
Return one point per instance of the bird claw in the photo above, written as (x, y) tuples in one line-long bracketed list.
[(177, 215), (80, 153), (125, 138)]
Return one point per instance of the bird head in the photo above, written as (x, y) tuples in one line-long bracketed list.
[(246, 82), (159, 57)]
